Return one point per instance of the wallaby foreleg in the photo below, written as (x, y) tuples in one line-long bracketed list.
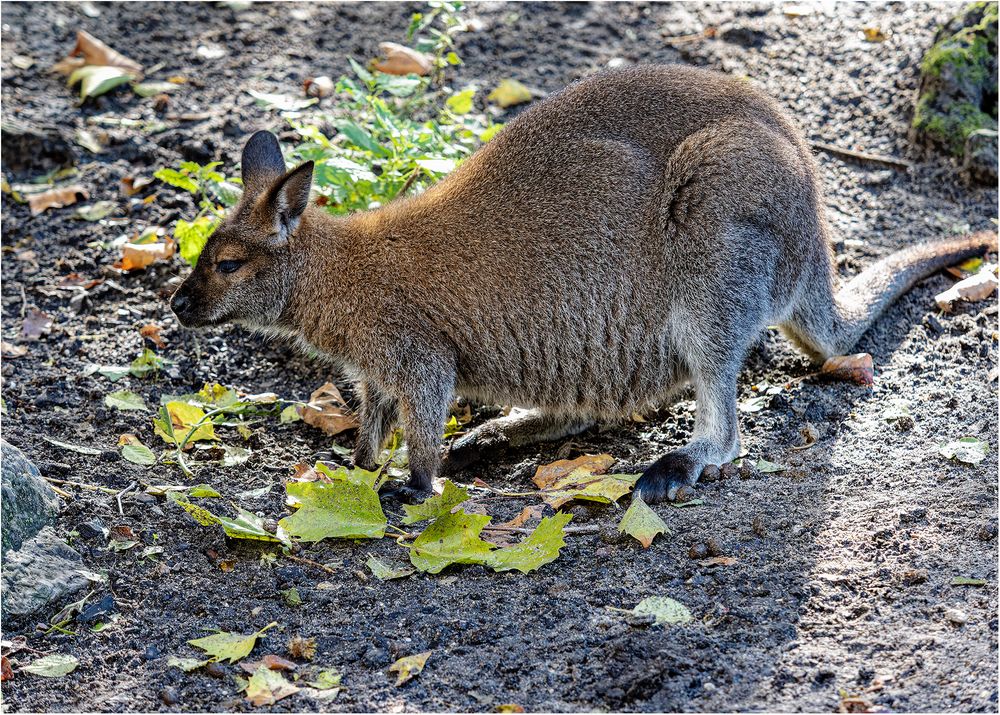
[(517, 429), (378, 416)]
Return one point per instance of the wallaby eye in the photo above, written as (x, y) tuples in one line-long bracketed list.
[(228, 266)]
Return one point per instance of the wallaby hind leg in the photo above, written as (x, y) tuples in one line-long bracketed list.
[(716, 438), (517, 429)]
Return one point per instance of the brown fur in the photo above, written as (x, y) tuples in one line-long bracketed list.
[(631, 234)]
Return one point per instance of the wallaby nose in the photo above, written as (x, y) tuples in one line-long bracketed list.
[(179, 303)]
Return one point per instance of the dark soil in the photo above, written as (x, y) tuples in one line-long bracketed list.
[(844, 561)]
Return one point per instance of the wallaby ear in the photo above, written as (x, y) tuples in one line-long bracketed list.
[(288, 200), (262, 163)]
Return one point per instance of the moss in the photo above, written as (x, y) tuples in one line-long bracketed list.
[(950, 129), (968, 50)]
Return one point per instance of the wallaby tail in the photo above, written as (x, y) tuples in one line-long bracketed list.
[(827, 323)]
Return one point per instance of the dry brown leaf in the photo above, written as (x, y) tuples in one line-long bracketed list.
[(227, 565), (328, 411), (36, 324), (593, 463), (851, 368), (276, 662), (91, 51), (9, 350), (152, 332), (979, 286), (400, 59), (56, 198), (719, 561), (6, 672), (141, 255), (131, 185), (528, 513), (321, 86)]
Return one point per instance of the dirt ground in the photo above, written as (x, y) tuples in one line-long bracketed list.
[(844, 561)]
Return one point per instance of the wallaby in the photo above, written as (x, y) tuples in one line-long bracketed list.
[(630, 234)]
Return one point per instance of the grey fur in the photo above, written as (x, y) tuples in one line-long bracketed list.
[(630, 234)]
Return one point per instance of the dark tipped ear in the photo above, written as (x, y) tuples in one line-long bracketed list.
[(289, 199), (262, 162)]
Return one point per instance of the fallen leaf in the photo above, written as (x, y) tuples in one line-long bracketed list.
[(36, 324), (529, 513), (665, 611), (95, 211), (546, 474), (873, 34), (327, 411), (97, 80), (435, 506), (131, 185), (223, 646), (325, 684), (642, 523), (125, 400), (11, 351), (56, 198), (451, 539), (383, 572), (151, 331), (966, 449), (91, 51), (406, 668), (52, 666), (276, 662), (135, 451), (266, 687), (965, 581), (509, 92), (136, 256), (149, 89), (186, 664), (856, 368), (72, 447), (508, 708), (246, 525), (765, 467), (177, 419), (400, 60), (719, 561), (581, 483), (292, 597), (6, 672), (302, 648), (281, 102), (337, 508), (979, 286), (539, 548)]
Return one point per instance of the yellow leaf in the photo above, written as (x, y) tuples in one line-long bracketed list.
[(409, 666), (510, 92), (594, 463)]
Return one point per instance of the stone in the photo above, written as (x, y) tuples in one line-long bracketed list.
[(28, 502), (93, 529), (44, 572), (956, 108)]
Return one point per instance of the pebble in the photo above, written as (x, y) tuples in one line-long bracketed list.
[(728, 470), (168, 696), (709, 687), (93, 529), (215, 670), (151, 652), (957, 616), (710, 474), (714, 547), (698, 551)]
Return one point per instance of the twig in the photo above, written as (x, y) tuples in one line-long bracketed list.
[(409, 182), (92, 487), (61, 492), (310, 562), (24, 301), (194, 117), (118, 496), (863, 155)]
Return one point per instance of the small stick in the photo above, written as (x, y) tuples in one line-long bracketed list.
[(409, 182), (61, 492), (118, 496), (24, 301), (310, 562), (92, 487), (863, 155)]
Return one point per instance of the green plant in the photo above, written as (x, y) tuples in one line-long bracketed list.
[(214, 193)]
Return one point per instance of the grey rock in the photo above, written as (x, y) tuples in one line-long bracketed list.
[(28, 502), (44, 572), (979, 165)]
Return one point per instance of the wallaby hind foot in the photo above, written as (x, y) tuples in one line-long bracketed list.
[(519, 428)]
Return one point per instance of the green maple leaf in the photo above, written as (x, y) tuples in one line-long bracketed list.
[(435, 506), (665, 611), (384, 572), (451, 539), (334, 509), (642, 523), (224, 646), (266, 687), (582, 483), (541, 547), (246, 525)]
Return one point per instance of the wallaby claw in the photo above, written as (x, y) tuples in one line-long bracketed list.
[(664, 478)]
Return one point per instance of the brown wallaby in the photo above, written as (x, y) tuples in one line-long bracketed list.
[(631, 234)]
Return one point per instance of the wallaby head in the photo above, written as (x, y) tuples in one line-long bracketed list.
[(246, 271)]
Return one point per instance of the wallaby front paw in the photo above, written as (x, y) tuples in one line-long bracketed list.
[(405, 493), (477, 445), (664, 478)]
